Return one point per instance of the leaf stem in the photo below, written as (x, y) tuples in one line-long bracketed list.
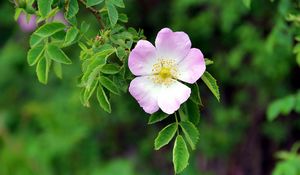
[(95, 12), (177, 123)]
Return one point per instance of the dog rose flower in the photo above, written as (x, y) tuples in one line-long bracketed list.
[(160, 71)]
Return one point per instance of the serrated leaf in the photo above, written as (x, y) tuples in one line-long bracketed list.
[(98, 60), (112, 13), (191, 133), (56, 54), (34, 54), (110, 69), (58, 69), (157, 117), (211, 83), (193, 112), (49, 29), (42, 70), (35, 40), (93, 2), (44, 7), (71, 35), (165, 136), (103, 100), (195, 95), (72, 8), (109, 85), (118, 3), (88, 92), (180, 155)]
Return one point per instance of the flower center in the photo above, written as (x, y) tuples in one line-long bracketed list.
[(164, 71)]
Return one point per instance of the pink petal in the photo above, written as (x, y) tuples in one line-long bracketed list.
[(172, 45), (145, 92), (27, 25), (142, 58), (172, 96), (192, 67)]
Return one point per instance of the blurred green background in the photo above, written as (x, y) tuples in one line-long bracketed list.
[(44, 130)]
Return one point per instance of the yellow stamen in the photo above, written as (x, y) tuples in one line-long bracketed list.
[(165, 70)]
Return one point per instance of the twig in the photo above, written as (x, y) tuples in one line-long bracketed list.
[(95, 12)]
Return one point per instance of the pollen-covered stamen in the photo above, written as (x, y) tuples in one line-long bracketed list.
[(164, 71)]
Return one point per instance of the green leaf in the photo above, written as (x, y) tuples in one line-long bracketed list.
[(98, 60), (71, 35), (58, 70), (18, 12), (281, 106), (108, 84), (165, 136), (112, 13), (123, 17), (88, 92), (42, 70), (93, 2), (110, 69), (191, 133), (195, 95), (296, 48), (211, 83), (208, 62), (193, 112), (34, 54), (247, 3), (35, 40), (118, 3), (180, 155), (72, 8), (157, 117), (49, 29), (56, 54), (44, 7), (84, 27), (103, 100), (121, 53)]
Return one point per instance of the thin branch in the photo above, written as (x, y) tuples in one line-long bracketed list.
[(95, 12)]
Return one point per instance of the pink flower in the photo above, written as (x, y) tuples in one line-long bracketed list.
[(161, 69), (59, 17), (25, 24)]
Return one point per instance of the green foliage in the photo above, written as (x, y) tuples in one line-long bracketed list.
[(157, 117), (247, 3), (191, 133), (211, 83), (165, 135), (56, 54), (289, 163), (103, 100), (44, 7), (284, 106), (93, 2), (180, 154)]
